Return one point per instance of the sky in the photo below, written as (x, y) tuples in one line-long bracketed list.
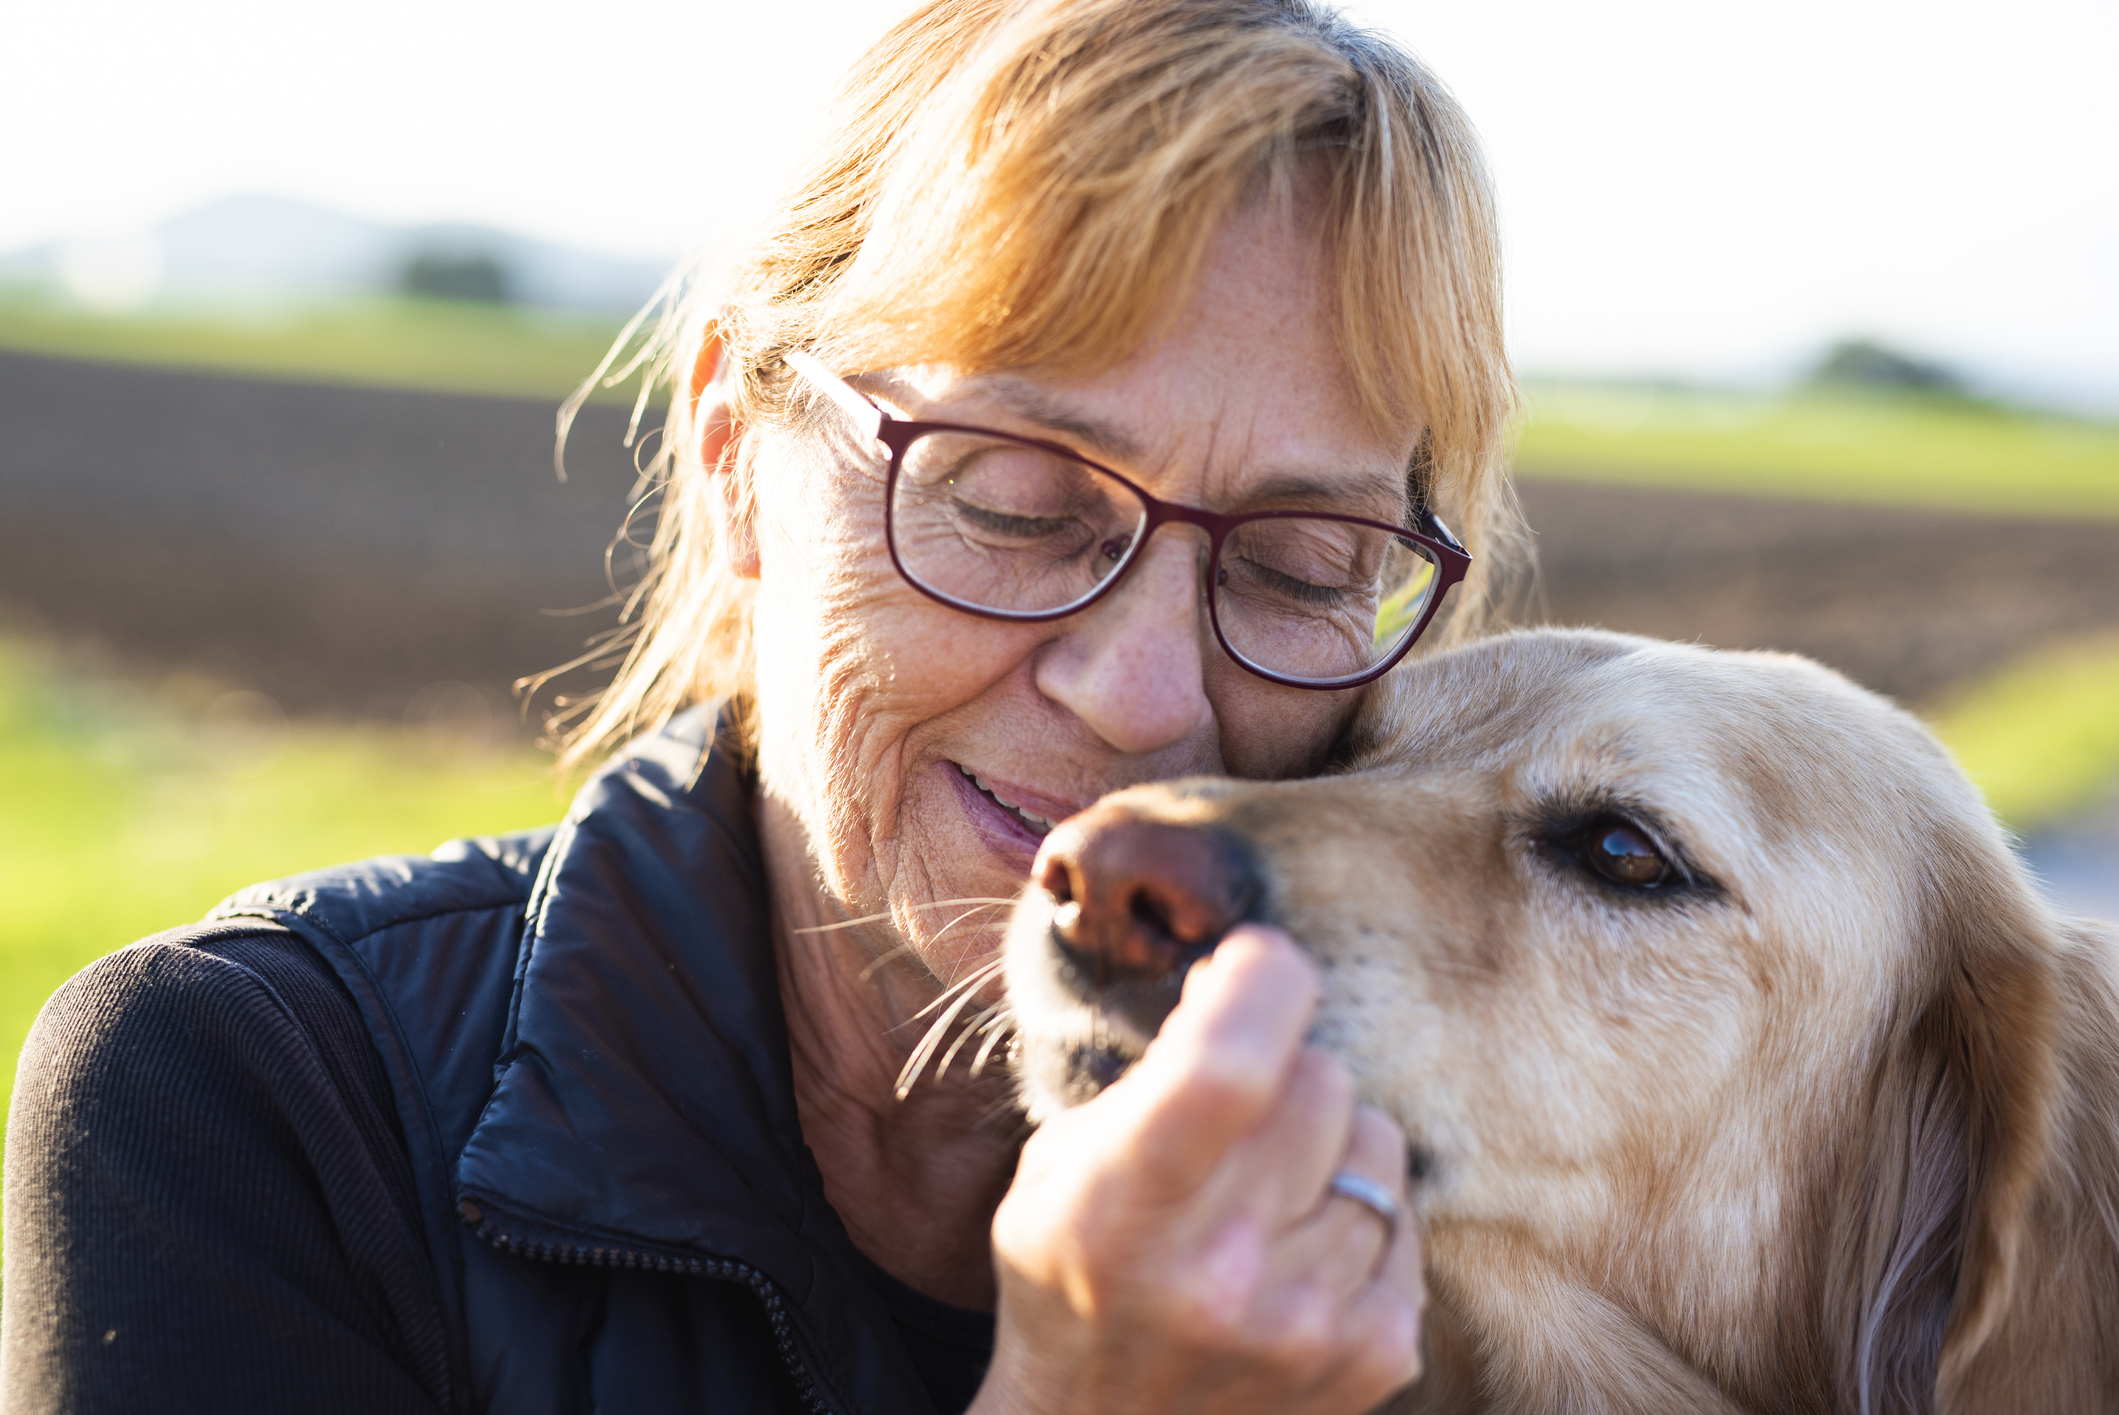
[(1696, 190)]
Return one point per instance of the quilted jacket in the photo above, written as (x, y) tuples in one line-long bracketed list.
[(536, 1150)]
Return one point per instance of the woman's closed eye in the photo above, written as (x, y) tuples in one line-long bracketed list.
[(1296, 589), (1013, 525)]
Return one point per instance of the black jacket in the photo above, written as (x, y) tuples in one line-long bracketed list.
[(506, 1128)]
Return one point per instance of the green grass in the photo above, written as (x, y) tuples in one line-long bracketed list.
[(121, 816), (2042, 737), (436, 345), (1904, 450)]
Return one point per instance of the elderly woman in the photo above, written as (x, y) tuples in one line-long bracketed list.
[(1081, 419)]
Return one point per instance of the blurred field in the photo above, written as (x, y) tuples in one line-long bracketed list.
[(336, 547), (2041, 738), (123, 813), (1915, 602), (442, 345), (1843, 445), (1834, 446)]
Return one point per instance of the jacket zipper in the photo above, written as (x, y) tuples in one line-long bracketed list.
[(722, 1269)]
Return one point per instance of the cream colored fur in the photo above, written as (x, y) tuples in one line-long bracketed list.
[(1834, 1129)]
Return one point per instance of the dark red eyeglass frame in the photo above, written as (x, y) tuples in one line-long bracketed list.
[(1452, 560)]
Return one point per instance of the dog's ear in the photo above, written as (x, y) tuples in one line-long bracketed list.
[(1936, 1237), (2001, 1020), (2038, 1286)]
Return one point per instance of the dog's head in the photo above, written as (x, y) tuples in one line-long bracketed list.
[(1703, 985)]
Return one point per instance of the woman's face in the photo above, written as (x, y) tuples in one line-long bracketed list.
[(918, 745)]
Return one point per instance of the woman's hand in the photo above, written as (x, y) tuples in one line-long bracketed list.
[(1173, 1245)]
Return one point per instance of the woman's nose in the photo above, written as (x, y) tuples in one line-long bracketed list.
[(1133, 666)]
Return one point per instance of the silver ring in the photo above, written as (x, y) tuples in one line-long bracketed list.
[(1371, 1196)]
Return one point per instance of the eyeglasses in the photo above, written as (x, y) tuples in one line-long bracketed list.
[(1019, 529)]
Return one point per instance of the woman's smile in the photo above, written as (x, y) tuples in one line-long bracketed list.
[(1025, 816)]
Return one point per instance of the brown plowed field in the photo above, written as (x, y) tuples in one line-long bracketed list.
[(336, 548), (1910, 602), (340, 548)]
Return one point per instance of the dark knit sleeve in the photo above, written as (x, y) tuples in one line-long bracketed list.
[(207, 1204)]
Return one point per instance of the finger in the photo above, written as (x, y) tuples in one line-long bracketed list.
[(1381, 1355), (1344, 1318), (1380, 1324), (1376, 1153), (1375, 1150), (1279, 1170), (1403, 1269), (1223, 1055), (1259, 964), (1341, 1245)]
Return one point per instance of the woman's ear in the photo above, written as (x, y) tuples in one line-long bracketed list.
[(720, 448)]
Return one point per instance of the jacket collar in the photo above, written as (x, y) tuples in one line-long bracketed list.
[(644, 1096)]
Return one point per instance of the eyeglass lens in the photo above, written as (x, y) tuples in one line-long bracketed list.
[(995, 524)]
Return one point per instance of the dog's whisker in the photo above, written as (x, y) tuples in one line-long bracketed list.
[(898, 952), (978, 899), (963, 994), (904, 948), (977, 976), (842, 924), (964, 1035), (975, 979), (945, 930), (917, 1062), (997, 1031), (929, 1045)]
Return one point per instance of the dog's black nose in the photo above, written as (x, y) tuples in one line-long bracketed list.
[(1139, 900)]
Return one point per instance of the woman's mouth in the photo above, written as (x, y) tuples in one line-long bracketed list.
[(1038, 826)]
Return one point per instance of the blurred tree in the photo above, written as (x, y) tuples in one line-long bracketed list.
[(456, 275), (1873, 365)]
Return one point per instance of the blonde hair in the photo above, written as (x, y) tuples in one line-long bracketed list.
[(1015, 184)]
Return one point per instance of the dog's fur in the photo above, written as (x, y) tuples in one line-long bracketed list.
[(1829, 1124)]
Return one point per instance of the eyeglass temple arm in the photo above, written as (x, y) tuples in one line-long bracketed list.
[(866, 415), (1441, 531)]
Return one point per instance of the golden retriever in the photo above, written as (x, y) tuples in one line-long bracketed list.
[(1743, 1068)]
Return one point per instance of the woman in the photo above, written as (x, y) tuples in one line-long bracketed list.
[(1079, 421)]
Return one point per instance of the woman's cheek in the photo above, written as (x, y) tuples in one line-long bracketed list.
[(1269, 732), (816, 683), (851, 662)]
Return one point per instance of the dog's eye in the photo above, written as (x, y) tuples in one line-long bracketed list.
[(1622, 853)]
